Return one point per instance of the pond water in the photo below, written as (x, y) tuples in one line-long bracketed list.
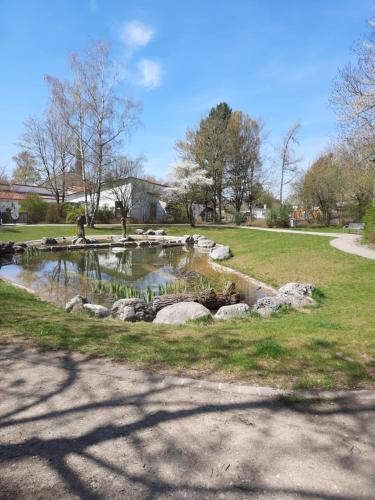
[(58, 276)]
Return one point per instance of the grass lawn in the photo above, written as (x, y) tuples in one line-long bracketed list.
[(332, 346)]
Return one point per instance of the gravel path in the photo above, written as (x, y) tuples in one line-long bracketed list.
[(74, 427)]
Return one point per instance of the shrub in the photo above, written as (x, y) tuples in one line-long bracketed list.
[(53, 215), (72, 212), (238, 218), (278, 216), (103, 216), (369, 220), (35, 208)]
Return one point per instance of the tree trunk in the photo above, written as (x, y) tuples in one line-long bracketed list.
[(123, 224), (208, 298)]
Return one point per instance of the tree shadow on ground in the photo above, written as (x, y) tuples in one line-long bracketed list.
[(152, 439)]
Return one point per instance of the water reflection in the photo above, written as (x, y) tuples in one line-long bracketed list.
[(58, 276)]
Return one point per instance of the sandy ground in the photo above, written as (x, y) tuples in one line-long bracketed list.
[(74, 427)]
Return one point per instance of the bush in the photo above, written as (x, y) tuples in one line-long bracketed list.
[(72, 212), (278, 216), (53, 215), (238, 218), (103, 216), (369, 220), (35, 208)]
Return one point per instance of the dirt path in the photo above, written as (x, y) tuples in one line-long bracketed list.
[(71, 427)]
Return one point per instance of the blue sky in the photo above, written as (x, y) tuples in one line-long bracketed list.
[(273, 59)]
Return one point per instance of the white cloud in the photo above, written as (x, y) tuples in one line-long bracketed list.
[(149, 73), (135, 34)]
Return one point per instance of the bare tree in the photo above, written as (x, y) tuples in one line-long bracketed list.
[(49, 142), (127, 188), (289, 161), (97, 116)]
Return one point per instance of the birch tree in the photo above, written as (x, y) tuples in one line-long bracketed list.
[(289, 161), (127, 195), (97, 115)]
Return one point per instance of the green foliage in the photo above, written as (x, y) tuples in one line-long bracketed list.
[(72, 212), (53, 215), (35, 208), (238, 218), (369, 220), (278, 216), (103, 216), (176, 211)]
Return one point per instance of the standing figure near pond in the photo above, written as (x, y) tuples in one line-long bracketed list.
[(80, 221)]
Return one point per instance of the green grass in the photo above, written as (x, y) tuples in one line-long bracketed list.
[(331, 346)]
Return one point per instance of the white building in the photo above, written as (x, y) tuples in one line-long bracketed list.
[(147, 207), (12, 195)]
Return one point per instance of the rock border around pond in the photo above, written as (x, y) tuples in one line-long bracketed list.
[(224, 306)]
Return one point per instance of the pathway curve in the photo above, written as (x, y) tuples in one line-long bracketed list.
[(348, 243), (75, 427)]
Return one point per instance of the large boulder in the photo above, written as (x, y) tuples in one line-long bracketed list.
[(196, 237), (180, 313), (296, 294), (139, 231), (97, 310), (267, 305), (136, 309), (220, 252), (160, 232), (76, 303), (232, 311), (125, 238), (188, 239), (48, 241), (150, 232), (205, 243)]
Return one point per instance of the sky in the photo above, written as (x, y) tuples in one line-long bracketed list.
[(275, 60)]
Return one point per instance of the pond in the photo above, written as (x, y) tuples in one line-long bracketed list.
[(105, 274)]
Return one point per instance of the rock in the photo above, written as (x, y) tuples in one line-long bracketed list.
[(160, 232), (297, 288), (188, 239), (125, 238), (48, 241), (6, 248), (150, 232), (267, 305), (220, 252), (135, 309), (232, 311), (143, 243), (180, 313), (19, 248), (139, 231), (97, 310), (296, 294), (92, 241), (196, 237), (118, 249), (205, 243), (76, 303), (79, 241)]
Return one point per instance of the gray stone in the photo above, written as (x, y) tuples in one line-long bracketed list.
[(205, 243), (118, 249), (160, 232), (297, 288), (125, 238), (188, 239), (139, 231), (180, 313), (135, 309), (220, 252), (267, 305), (79, 241), (76, 303), (150, 232), (296, 294), (97, 310), (196, 237), (232, 311), (49, 241)]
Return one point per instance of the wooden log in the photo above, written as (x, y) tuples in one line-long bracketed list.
[(208, 298)]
